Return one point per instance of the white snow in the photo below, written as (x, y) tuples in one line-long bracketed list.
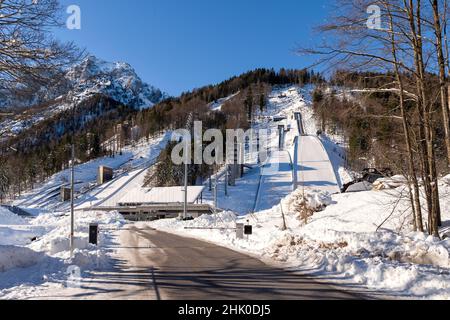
[(8, 218), (29, 270), (130, 169), (276, 180), (340, 242), (17, 257), (217, 105), (254, 192), (35, 252), (361, 239), (315, 169)]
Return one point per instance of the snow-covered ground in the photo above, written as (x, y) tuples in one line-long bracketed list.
[(35, 251), (340, 242), (315, 169), (39, 246), (255, 191), (359, 239), (217, 105), (129, 168)]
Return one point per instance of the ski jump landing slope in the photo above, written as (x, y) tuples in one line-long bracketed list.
[(315, 170), (276, 181)]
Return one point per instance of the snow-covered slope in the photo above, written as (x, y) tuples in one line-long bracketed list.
[(316, 171), (361, 239), (320, 165), (217, 105), (133, 160), (34, 252)]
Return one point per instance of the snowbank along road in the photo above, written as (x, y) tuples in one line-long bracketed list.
[(153, 265)]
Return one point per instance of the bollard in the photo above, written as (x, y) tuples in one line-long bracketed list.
[(93, 233)]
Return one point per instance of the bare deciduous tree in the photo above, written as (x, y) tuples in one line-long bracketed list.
[(28, 52), (411, 45)]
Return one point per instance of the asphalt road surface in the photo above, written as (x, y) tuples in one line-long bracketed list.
[(152, 265)]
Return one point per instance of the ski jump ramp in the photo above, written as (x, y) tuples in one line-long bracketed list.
[(314, 168)]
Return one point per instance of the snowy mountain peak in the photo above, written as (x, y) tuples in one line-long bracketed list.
[(90, 77), (92, 66), (117, 80)]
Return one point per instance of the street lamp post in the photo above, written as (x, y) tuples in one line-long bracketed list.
[(186, 166), (186, 172), (72, 194)]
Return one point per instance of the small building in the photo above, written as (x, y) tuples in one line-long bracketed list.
[(161, 203), (105, 174), (65, 194), (163, 196)]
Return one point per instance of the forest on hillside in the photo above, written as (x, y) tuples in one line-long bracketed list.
[(388, 96), (398, 53), (37, 153)]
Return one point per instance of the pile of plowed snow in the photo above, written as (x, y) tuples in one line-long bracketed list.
[(344, 238), (18, 257), (32, 266), (9, 218)]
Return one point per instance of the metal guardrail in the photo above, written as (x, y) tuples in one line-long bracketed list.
[(301, 128)]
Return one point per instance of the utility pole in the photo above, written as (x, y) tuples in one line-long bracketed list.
[(258, 147), (216, 185), (226, 180), (72, 194), (186, 171), (295, 164), (186, 167)]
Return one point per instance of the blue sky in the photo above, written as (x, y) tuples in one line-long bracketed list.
[(178, 45)]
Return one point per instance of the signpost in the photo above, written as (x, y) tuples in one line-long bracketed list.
[(239, 231), (243, 230)]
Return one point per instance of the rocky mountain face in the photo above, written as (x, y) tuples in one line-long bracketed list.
[(91, 77), (118, 81)]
